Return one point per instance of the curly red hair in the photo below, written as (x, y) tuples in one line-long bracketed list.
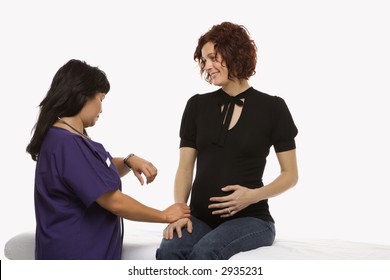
[(233, 43)]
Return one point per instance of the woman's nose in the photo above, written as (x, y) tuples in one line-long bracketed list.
[(208, 64)]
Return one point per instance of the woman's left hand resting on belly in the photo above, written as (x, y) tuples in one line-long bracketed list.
[(228, 205), (242, 197)]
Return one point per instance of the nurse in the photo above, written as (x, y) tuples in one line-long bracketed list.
[(78, 199)]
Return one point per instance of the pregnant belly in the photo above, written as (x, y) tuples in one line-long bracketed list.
[(200, 201)]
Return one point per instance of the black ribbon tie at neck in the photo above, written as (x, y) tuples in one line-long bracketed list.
[(228, 102)]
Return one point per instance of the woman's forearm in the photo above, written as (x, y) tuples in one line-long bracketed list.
[(184, 174), (282, 183), (183, 183)]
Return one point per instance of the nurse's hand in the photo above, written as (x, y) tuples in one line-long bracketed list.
[(226, 206), (176, 211), (141, 166)]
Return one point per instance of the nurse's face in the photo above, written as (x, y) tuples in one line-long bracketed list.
[(90, 113)]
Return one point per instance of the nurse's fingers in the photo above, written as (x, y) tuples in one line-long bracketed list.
[(139, 177), (150, 173)]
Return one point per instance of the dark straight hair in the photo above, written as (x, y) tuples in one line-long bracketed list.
[(73, 85)]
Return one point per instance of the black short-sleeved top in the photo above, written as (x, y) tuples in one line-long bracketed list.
[(265, 121)]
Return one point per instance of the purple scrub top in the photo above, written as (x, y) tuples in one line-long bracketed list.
[(72, 172)]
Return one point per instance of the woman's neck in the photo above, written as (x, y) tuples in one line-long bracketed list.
[(236, 87)]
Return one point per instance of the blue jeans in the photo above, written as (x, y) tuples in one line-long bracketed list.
[(226, 240)]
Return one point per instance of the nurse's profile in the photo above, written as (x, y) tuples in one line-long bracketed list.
[(78, 191)]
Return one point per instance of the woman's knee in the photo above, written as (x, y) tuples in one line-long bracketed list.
[(207, 249), (164, 252)]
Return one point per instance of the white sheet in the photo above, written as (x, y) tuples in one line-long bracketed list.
[(142, 245), (317, 249)]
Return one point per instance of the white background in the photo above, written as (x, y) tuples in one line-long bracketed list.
[(329, 60)]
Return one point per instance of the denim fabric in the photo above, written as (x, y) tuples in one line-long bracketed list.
[(228, 239)]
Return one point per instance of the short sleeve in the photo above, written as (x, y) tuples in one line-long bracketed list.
[(87, 170), (284, 130), (188, 124)]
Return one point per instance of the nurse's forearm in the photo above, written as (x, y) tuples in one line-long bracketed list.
[(125, 206), (120, 166)]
